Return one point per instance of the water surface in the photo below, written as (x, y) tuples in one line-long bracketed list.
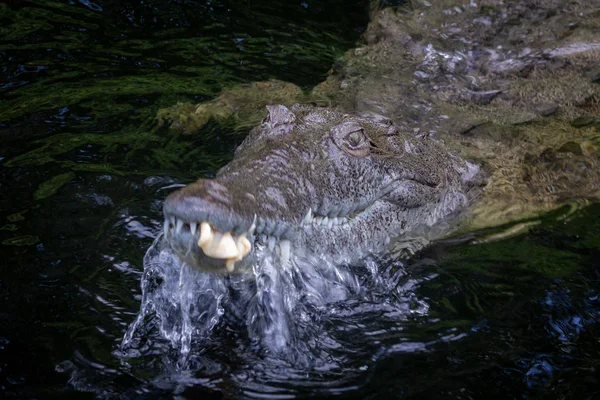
[(83, 172)]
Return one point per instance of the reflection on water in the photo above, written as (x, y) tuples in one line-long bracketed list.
[(513, 317), (289, 321), (84, 171)]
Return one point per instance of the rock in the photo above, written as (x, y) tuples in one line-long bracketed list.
[(421, 75), (545, 109), (594, 75), (570, 147), (483, 97), (466, 127), (581, 122), (361, 51)]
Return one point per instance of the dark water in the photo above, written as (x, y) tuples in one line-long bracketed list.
[(82, 176)]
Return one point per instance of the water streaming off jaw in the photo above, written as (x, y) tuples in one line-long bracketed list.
[(282, 313)]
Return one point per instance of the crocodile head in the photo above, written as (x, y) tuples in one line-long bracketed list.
[(315, 182)]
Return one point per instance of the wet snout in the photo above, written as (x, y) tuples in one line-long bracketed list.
[(202, 226)]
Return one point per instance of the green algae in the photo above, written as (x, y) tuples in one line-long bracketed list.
[(220, 59), (109, 98), (161, 152), (103, 168), (81, 62), (24, 240), (486, 279), (62, 143), (52, 185), (21, 25), (60, 93), (67, 8), (16, 217), (549, 250), (446, 304)]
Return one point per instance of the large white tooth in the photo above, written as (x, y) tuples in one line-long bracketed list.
[(330, 222), (178, 226), (271, 243), (253, 226), (223, 247), (318, 220), (193, 227), (285, 248), (325, 221), (230, 264), (211, 248), (243, 246), (206, 235), (308, 217)]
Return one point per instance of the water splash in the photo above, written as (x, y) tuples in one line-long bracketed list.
[(307, 317), (181, 302)]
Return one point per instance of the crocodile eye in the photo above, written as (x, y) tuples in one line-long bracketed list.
[(355, 139), (351, 138)]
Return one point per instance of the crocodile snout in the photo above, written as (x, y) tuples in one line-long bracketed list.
[(200, 217)]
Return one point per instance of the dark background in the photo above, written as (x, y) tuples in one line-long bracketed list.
[(82, 171)]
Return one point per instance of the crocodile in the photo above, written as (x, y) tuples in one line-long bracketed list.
[(312, 181), (486, 106)]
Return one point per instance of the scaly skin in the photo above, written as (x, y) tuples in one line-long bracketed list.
[(317, 182), (512, 86)]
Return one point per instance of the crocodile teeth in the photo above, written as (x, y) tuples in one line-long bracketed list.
[(326, 221), (193, 227), (230, 264), (308, 217), (222, 245), (166, 227), (206, 235), (271, 243), (244, 246)]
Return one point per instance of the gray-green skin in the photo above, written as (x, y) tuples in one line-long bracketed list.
[(363, 171), (511, 85)]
